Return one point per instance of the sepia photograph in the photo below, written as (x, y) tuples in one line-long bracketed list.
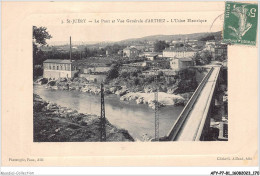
[(132, 83)]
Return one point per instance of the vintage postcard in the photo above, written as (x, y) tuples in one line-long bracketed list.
[(156, 84)]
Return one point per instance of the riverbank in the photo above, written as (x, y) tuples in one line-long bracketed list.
[(164, 99), (141, 97), (53, 123)]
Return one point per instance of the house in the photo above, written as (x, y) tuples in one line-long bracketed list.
[(221, 51), (57, 68), (179, 52), (217, 51), (147, 64), (95, 74), (140, 47), (178, 64), (130, 52), (151, 56), (96, 70), (108, 52), (96, 78), (211, 42), (120, 52)]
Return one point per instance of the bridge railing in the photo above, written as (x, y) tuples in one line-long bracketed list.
[(205, 115), (188, 107)]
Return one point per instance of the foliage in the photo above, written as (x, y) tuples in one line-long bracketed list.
[(206, 57), (37, 70), (160, 46), (197, 58), (113, 72), (178, 45), (207, 38), (93, 52), (202, 58), (40, 34), (113, 49)]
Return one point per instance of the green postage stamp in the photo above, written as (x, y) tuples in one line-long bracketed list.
[(240, 23)]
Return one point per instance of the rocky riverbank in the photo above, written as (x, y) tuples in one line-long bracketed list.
[(53, 123), (142, 97), (80, 84), (164, 99)]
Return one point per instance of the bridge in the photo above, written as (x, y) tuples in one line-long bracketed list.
[(194, 121)]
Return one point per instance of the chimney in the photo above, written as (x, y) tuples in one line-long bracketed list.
[(70, 48)]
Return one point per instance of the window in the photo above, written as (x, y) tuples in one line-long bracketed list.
[(57, 67), (61, 67), (53, 67), (50, 67)]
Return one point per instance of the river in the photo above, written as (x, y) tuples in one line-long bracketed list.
[(138, 119)]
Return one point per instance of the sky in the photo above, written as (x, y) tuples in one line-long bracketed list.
[(103, 33)]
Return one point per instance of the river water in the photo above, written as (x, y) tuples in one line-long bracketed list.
[(138, 119)]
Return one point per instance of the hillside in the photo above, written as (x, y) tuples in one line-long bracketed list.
[(194, 36), (142, 40)]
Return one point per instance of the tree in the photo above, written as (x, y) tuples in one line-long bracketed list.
[(113, 72), (202, 58), (197, 58), (207, 38), (206, 57), (159, 46), (40, 35)]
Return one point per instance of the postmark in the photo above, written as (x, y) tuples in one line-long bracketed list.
[(240, 23)]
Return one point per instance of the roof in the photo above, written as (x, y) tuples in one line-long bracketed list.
[(180, 49), (151, 55), (184, 59), (60, 61)]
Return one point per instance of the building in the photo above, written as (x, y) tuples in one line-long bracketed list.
[(178, 64), (221, 52), (140, 47), (95, 74), (210, 42), (151, 56), (178, 52), (147, 64), (108, 52), (218, 51), (57, 68), (96, 78), (130, 52), (96, 70), (120, 52)]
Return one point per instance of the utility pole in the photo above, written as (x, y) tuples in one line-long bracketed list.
[(70, 48), (156, 108), (102, 117)]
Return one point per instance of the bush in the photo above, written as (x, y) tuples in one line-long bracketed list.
[(37, 71), (113, 72)]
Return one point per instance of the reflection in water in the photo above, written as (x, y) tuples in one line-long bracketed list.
[(138, 119)]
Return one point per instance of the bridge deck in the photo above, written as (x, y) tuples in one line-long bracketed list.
[(193, 124)]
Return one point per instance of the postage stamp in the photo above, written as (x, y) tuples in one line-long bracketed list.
[(240, 23)]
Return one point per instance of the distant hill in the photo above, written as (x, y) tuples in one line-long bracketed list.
[(144, 40), (194, 36)]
